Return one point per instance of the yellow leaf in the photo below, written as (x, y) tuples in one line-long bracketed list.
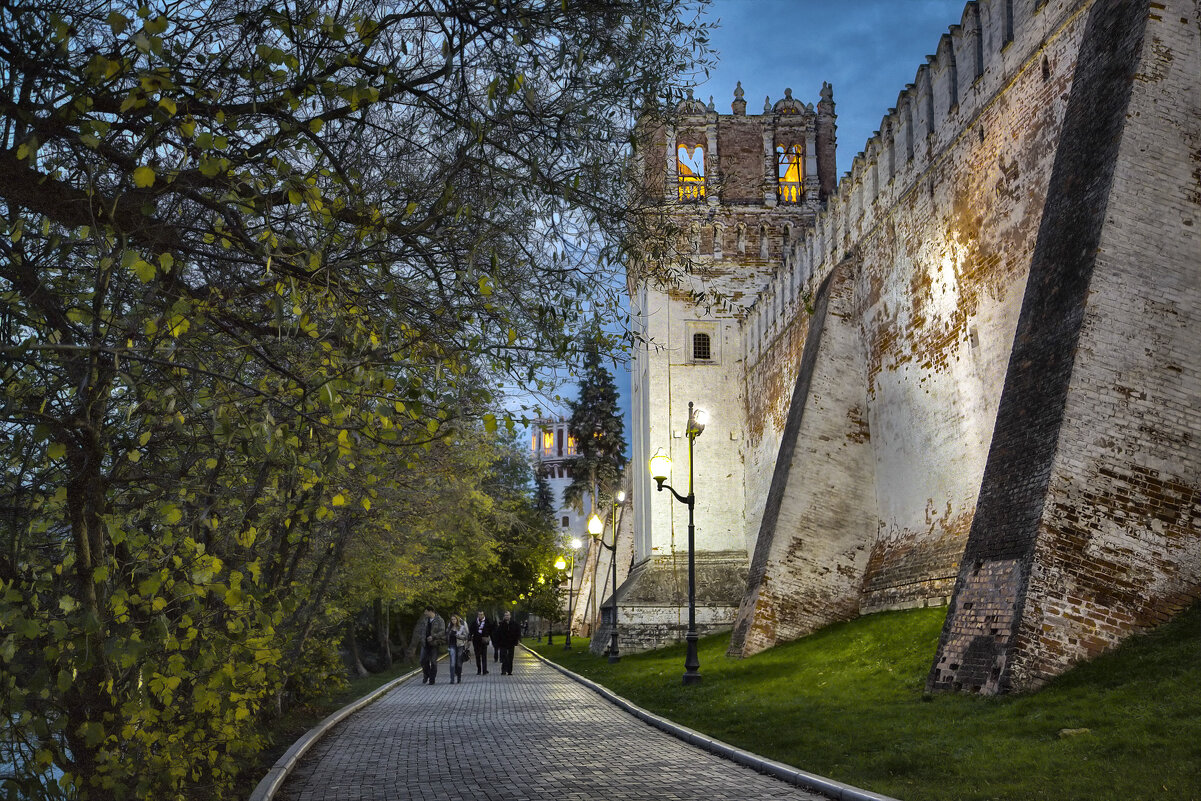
[(144, 270), (366, 504), (171, 514), (57, 450), (338, 500), (142, 440), (134, 456), (168, 104), (143, 177)]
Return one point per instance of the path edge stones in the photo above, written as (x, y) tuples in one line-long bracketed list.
[(274, 779), (809, 781)]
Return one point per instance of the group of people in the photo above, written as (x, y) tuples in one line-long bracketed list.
[(459, 638)]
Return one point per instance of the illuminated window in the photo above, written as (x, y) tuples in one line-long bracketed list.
[(570, 445), (790, 161), (690, 167), (700, 347), (548, 441)]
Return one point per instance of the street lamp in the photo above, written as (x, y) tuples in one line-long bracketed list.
[(660, 467), (575, 546), (560, 564), (598, 533)]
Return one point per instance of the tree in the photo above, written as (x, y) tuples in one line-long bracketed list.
[(598, 430), (257, 259)]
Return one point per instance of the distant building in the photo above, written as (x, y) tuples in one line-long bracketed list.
[(554, 451)]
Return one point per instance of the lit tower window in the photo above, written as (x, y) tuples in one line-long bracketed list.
[(690, 167), (790, 160)]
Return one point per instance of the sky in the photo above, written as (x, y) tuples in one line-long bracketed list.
[(867, 49)]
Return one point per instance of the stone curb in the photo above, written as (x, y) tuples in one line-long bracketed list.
[(266, 788), (810, 781)]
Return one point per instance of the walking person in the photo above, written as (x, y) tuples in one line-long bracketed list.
[(507, 635), (495, 645), (481, 639), (431, 643), (456, 643)]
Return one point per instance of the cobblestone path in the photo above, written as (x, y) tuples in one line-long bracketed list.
[(534, 735)]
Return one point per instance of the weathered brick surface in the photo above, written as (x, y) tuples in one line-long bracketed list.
[(1118, 548), (817, 525), (941, 244)]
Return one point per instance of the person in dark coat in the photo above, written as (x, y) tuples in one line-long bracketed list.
[(481, 638), (433, 636), (495, 645), (507, 635)]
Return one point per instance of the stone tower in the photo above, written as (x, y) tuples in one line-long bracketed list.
[(740, 189)]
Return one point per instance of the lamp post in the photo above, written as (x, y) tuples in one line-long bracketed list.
[(660, 467), (560, 564), (598, 533), (575, 546)]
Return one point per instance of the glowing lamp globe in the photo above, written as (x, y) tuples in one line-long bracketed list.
[(660, 465)]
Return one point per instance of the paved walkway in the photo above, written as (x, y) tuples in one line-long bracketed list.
[(554, 738)]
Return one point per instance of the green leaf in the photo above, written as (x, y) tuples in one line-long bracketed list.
[(56, 451), (118, 22), (143, 177)]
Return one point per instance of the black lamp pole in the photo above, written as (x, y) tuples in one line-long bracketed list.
[(692, 662), (614, 656), (570, 584)]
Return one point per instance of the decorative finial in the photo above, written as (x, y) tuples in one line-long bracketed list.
[(711, 107), (767, 104), (739, 105), (788, 94), (689, 92)]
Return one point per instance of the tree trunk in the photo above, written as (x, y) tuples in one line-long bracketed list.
[(356, 660), (381, 633)]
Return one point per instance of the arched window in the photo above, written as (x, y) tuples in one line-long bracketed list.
[(690, 168), (701, 350), (790, 162)]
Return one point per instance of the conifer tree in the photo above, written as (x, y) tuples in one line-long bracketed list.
[(598, 430)]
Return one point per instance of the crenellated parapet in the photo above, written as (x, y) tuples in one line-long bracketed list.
[(974, 62)]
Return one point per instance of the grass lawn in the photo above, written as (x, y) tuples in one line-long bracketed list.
[(847, 703)]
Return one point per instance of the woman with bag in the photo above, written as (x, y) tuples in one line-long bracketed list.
[(456, 642)]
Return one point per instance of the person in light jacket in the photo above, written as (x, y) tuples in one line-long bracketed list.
[(456, 642)]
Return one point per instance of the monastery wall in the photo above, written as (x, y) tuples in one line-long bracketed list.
[(1089, 526), (931, 235)]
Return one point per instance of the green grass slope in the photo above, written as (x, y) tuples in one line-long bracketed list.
[(847, 703)]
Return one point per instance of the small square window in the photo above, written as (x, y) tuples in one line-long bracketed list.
[(701, 350)]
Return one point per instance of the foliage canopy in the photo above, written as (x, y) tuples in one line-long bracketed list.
[(264, 267)]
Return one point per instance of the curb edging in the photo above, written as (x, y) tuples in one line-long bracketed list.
[(809, 781), (274, 779)]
